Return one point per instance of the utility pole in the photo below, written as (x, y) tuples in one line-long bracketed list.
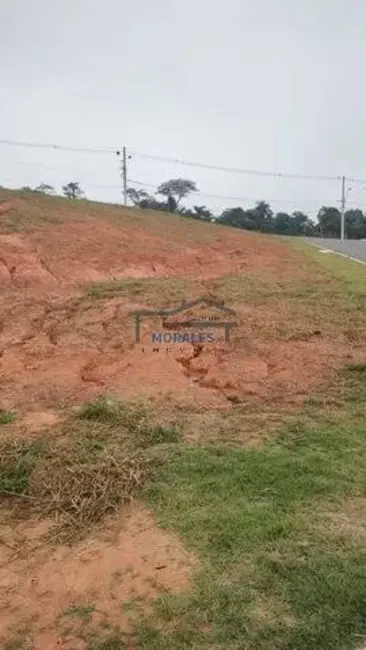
[(343, 205), (124, 173)]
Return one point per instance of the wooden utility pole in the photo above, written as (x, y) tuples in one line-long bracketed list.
[(124, 173), (343, 205)]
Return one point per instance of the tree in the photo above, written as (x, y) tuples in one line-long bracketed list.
[(283, 224), (262, 216), (44, 188), (142, 199), (172, 204), (236, 217), (72, 190), (201, 212), (176, 189), (258, 218), (137, 196), (302, 224), (296, 224), (355, 224), (329, 219)]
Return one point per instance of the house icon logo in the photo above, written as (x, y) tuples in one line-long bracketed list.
[(188, 322)]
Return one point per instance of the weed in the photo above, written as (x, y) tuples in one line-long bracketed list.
[(113, 641), (17, 462), (159, 435), (116, 288), (157, 292), (83, 612), (358, 368), (6, 417), (102, 409)]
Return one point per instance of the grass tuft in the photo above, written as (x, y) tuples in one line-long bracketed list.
[(102, 410), (17, 462), (113, 641), (6, 417), (83, 612), (357, 368)]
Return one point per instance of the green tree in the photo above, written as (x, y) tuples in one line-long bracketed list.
[(262, 216), (146, 201), (201, 212), (329, 219), (283, 224), (236, 217), (72, 190), (355, 224), (296, 224), (303, 225), (44, 188), (137, 196), (175, 190)]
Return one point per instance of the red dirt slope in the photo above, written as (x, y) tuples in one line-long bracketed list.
[(58, 346)]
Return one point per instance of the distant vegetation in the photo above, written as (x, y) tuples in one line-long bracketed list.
[(260, 218), (71, 190)]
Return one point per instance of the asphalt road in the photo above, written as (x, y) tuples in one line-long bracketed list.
[(351, 247)]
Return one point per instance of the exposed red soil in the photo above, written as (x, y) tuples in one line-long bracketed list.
[(60, 352), (95, 251), (59, 348), (133, 559)]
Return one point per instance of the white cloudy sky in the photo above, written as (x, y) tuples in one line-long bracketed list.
[(272, 85)]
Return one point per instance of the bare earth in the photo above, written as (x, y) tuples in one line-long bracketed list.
[(131, 560), (58, 347)]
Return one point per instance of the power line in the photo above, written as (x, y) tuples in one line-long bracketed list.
[(57, 147), (235, 170), (235, 198), (113, 150)]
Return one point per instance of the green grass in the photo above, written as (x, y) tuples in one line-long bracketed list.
[(83, 612), (274, 575), (348, 271), (6, 417), (135, 419), (112, 641), (18, 460), (153, 292), (101, 410)]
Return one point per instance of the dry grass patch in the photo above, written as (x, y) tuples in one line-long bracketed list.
[(98, 461)]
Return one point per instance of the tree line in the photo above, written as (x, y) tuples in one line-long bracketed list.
[(259, 218), (71, 190)]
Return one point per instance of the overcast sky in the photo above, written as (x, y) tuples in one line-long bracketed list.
[(272, 85)]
